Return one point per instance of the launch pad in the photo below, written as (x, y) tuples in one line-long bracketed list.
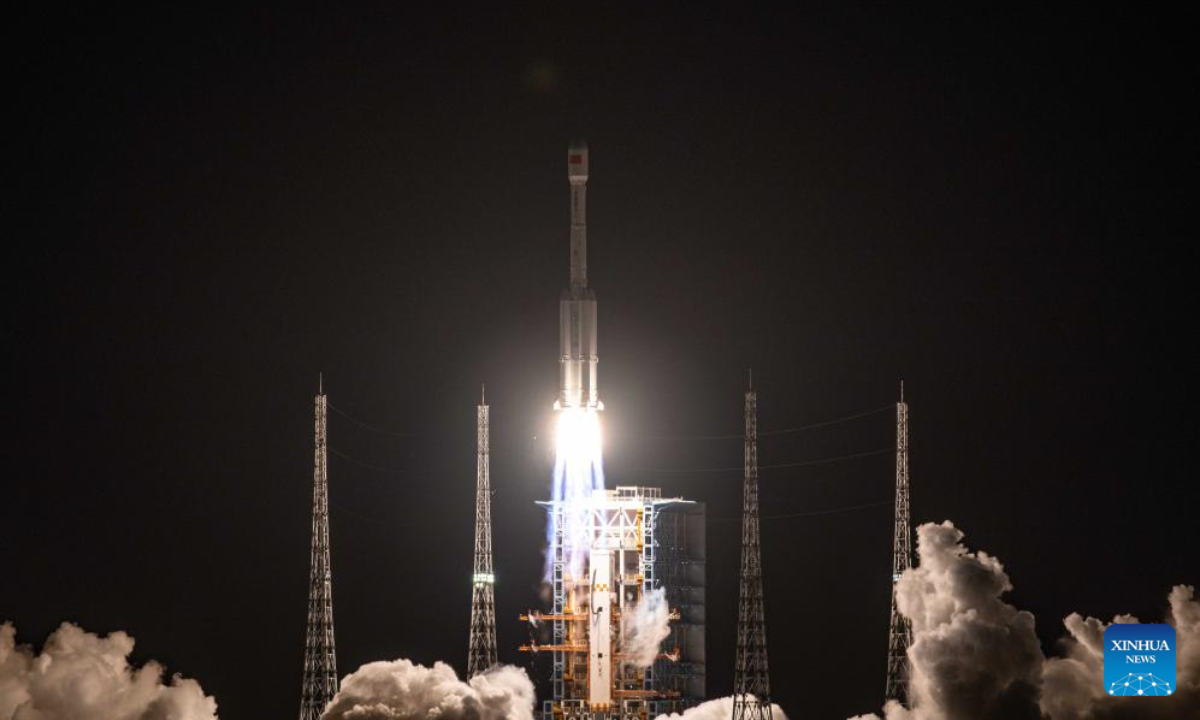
[(608, 554)]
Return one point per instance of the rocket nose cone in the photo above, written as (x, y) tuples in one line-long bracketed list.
[(577, 161)]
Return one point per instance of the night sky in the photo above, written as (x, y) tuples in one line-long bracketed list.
[(211, 209)]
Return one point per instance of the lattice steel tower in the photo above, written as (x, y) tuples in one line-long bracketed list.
[(482, 653), (320, 660), (900, 633), (751, 681)]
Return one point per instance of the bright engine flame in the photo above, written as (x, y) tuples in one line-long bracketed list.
[(579, 463), (578, 473), (578, 443)]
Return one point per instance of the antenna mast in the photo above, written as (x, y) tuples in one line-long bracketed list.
[(751, 683), (320, 659), (482, 652), (900, 632)]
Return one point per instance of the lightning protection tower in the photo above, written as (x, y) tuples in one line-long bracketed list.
[(320, 660), (900, 632), (751, 683), (482, 652)]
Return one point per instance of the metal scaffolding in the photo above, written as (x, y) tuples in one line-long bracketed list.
[(630, 535), (900, 628), (482, 653), (320, 660)]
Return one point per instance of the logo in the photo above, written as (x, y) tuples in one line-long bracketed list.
[(1139, 660)]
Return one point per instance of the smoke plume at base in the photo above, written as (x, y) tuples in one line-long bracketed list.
[(80, 675), (718, 709), (975, 656), (403, 690)]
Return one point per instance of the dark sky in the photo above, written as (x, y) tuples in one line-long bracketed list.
[(210, 209)]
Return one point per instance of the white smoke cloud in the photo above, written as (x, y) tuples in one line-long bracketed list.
[(1073, 686), (644, 627), (971, 650), (79, 675), (719, 709), (975, 656), (403, 690)]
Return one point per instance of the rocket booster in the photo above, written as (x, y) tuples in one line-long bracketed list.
[(577, 308)]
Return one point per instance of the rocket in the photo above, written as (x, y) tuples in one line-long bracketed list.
[(577, 308)]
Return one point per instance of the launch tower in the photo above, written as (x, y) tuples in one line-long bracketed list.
[(634, 542)]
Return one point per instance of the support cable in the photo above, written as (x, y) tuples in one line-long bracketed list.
[(781, 431), (811, 513), (776, 466), (374, 428), (378, 468)]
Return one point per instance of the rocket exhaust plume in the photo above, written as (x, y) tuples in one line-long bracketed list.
[(578, 464)]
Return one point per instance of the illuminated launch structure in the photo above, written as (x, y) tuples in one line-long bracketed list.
[(611, 554), (481, 655), (635, 542), (320, 660), (900, 630)]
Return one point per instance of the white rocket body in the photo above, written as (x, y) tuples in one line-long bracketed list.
[(577, 308), (600, 660)]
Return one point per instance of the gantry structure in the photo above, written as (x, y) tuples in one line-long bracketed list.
[(608, 553)]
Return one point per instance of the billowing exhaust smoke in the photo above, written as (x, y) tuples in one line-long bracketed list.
[(644, 627), (403, 690), (719, 709), (975, 656), (1072, 687), (80, 675)]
